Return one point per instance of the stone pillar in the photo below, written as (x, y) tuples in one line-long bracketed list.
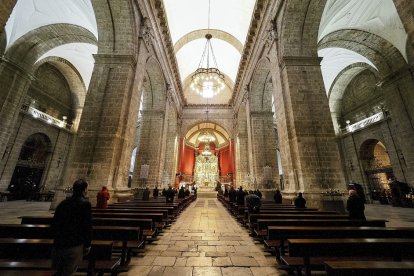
[(14, 82), (264, 147), (171, 149), (398, 96), (6, 8), (310, 156), (405, 9), (150, 147), (242, 147), (106, 130)]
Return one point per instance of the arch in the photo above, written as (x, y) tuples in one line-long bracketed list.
[(75, 82), (154, 86), (218, 34), (30, 47), (219, 132), (300, 26), (29, 170), (379, 51), (261, 86), (340, 83), (118, 26)]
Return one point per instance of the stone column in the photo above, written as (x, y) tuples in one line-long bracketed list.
[(264, 146), (242, 147), (171, 149), (405, 9), (310, 156), (150, 147), (15, 82), (398, 96), (6, 8), (106, 130)]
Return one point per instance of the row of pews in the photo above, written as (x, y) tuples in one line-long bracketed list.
[(306, 240), (119, 232)]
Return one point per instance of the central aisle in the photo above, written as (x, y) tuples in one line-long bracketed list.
[(205, 240)]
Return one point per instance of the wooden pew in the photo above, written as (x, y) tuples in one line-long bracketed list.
[(342, 249), (128, 237), (23, 254), (369, 268), (282, 233), (168, 212)]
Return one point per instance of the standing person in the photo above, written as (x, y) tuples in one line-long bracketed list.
[(300, 202), (258, 193), (226, 192), (278, 197), (240, 196), (181, 192), (146, 194), (169, 195), (155, 192), (72, 230), (232, 194), (355, 206), (102, 198), (187, 192)]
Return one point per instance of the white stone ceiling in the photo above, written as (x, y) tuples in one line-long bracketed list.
[(29, 15), (379, 17), (230, 16)]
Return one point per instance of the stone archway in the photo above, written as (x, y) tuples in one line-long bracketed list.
[(377, 168), (28, 173)]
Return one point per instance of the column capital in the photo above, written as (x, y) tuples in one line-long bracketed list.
[(396, 76)]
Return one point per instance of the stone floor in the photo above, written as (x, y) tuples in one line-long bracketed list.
[(205, 240)]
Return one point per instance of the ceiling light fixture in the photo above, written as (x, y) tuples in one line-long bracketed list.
[(207, 81)]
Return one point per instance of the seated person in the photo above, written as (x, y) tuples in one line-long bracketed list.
[(300, 202), (253, 203)]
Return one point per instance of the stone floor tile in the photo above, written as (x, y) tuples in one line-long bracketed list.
[(181, 261), (239, 271), (171, 254), (178, 271), (143, 261), (265, 271), (164, 261), (206, 271), (225, 248), (137, 270), (206, 248), (190, 254), (222, 261), (244, 261), (216, 254), (199, 261), (156, 271)]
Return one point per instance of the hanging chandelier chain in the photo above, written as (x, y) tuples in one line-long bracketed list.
[(208, 18)]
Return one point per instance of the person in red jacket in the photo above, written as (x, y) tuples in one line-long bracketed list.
[(102, 198)]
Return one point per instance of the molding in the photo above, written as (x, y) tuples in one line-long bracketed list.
[(300, 61), (114, 59)]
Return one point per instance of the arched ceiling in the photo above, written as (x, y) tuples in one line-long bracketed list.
[(221, 135), (335, 60), (230, 19), (29, 15), (378, 17)]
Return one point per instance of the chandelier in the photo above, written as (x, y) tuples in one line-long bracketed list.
[(207, 81), (205, 136), (206, 152)]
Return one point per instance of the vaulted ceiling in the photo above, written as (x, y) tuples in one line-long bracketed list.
[(229, 23)]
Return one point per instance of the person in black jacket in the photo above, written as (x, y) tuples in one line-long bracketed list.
[(169, 195), (355, 206), (278, 197), (240, 196), (181, 192), (155, 192), (300, 202), (72, 230), (232, 194)]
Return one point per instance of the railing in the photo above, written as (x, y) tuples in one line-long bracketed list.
[(39, 115), (364, 123)]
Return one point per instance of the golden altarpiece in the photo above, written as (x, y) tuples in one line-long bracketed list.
[(206, 171)]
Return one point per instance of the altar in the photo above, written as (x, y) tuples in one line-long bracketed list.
[(206, 173)]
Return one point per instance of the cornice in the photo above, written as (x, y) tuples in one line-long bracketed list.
[(168, 45), (252, 36), (215, 106)]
